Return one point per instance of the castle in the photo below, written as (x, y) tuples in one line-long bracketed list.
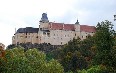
[(51, 32)]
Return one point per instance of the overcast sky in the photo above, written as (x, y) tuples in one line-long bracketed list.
[(27, 13)]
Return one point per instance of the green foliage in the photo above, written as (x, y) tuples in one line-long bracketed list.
[(49, 56), (72, 58), (54, 67), (69, 72), (73, 55), (31, 61), (93, 69), (103, 36), (104, 42)]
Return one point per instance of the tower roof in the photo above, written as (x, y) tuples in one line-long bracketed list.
[(77, 22), (44, 18)]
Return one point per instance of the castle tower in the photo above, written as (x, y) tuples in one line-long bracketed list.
[(44, 22)]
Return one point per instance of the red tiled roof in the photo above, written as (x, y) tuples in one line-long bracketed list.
[(56, 26), (62, 26), (69, 27), (87, 28)]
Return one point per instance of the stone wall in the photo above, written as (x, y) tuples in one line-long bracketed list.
[(42, 47)]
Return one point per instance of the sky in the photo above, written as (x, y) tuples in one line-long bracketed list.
[(27, 13)]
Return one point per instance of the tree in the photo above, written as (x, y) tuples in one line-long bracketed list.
[(104, 42), (31, 61), (70, 56), (2, 58)]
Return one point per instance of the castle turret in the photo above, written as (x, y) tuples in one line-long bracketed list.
[(77, 29), (77, 26)]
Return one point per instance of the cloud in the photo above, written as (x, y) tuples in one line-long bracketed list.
[(7, 28), (93, 11), (6, 33)]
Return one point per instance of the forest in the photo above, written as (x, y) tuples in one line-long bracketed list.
[(95, 54)]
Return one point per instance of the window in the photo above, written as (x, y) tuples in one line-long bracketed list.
[(17, 42), (37, 37), (61, 42), (75, 34), (48, 34), (21, 36), (44, 33), (86, 36), (25, 36), (82, 36), (40, 28)]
